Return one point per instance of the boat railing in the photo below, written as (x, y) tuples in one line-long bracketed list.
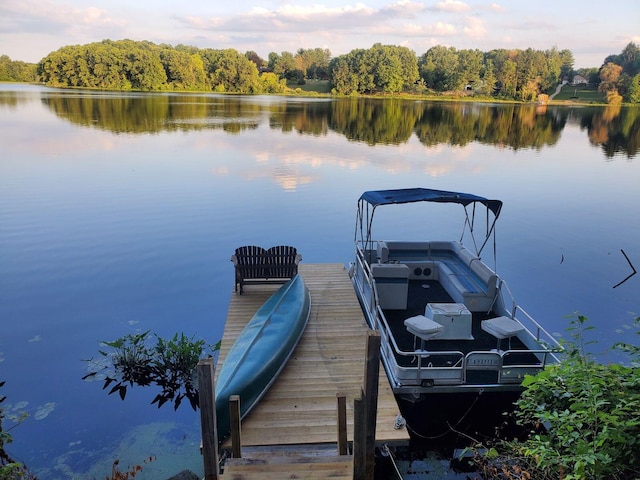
[(428, 367), (364, 279), (533, 329)]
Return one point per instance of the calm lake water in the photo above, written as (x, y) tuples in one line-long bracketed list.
[(118, 214)]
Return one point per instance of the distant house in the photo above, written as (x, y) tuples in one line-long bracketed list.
[(579, 80)]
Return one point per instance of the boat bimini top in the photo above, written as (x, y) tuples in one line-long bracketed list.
[(372, 199)]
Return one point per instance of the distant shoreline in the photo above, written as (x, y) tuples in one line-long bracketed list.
[(312, 93)]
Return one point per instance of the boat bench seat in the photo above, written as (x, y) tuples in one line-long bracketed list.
[(475, 287), (256, 265), (462, 274)]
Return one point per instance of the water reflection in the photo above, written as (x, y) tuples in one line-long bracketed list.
[(615, 129)]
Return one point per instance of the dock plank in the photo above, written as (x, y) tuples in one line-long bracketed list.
[(300, 407)]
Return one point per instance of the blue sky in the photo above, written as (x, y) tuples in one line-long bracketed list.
[(30, 29)]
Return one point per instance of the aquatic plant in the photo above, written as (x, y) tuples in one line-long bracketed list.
[(135, 360), (581, 416), (9, 468)]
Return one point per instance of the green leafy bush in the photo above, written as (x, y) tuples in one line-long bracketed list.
[(582, 418)]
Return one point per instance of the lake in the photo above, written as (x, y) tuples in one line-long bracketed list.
[(119, 214)]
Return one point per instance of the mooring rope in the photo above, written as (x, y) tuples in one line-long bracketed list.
[(451, 429), (388, 453)]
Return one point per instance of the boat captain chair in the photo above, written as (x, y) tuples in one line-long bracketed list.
[(423, 328), (501, 328)]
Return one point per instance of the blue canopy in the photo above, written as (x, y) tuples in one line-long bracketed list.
[(410, 195)]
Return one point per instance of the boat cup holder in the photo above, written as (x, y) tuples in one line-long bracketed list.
[(419, 271)]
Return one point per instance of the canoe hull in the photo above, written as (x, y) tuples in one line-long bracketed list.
[(261, 351)]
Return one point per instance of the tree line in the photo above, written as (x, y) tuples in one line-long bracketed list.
[(16, 71), (141, 65), (620, 76), (382, 69)]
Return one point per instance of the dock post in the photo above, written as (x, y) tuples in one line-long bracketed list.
[(365, 411), (234, 412), (207, 399), (359, 438), (342, 423), (372, 370)]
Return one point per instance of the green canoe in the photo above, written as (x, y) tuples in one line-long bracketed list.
[(261, 351)]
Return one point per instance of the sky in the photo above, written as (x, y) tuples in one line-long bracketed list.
[(591, 30)]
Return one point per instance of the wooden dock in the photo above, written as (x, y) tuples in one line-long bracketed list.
[(299, 410)]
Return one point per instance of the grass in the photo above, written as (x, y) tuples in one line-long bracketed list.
[(580, 93), (312, 86)]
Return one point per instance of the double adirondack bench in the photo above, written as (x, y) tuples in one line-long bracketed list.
[(256, 265)]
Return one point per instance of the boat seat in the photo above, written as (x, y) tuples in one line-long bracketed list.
[(502, 327), (423, 328)]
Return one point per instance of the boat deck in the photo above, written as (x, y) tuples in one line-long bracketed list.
[(422, 292), (300, 407)]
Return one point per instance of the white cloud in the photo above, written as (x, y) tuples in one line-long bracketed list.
[(402, 9), (454, 6), (307, 19), (51, 18), (474, 27), (438, 29)]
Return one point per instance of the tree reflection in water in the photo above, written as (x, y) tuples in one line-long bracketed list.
[(373, 121)]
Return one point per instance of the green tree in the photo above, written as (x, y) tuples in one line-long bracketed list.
[(184, 70), (554, 70), (353, 73), (488, 78), (630, 59), (470, 65), (394, 68), (439, 68), (283, 65), (342, 78), (508, 78), (633, 95), (566, 57), (271, 83), (144, 69), (229, 71), (531, 69), (16, 71), (314, 62)]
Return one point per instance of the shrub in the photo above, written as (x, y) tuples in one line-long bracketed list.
[(582, 417)]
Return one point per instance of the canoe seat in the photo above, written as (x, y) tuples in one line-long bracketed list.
[(254, 264)]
